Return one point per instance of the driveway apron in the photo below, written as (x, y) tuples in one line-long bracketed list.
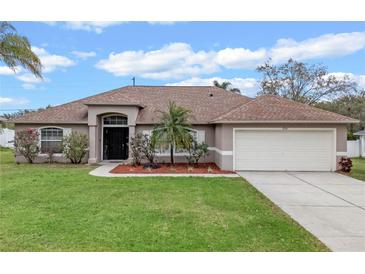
[(329, 205)]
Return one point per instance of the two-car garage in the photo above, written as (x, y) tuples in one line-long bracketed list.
[(284, 149)]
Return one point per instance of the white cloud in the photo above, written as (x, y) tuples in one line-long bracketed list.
[(179, 60), (51, 62), (12, 101), (359, 79), (248, 86), (328, 45), (28, 86), (84, 54), (168, 23), (173, 61), (241, 58), (30, 81), (95, 26), (29, 78), (50, 23), (7, 71)]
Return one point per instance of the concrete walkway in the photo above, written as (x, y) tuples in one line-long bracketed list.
[(329, 205), (104, 171)]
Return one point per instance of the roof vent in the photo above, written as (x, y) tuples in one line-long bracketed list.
[(210, 94)]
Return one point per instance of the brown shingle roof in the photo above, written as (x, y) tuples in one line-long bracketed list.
[(272, 108), (208, 104), (204, 102)]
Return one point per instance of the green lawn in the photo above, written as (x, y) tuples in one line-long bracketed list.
[(62, 208), (358, 168)]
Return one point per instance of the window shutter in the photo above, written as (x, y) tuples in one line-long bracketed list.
[(66, 131), (39, 138), (201, 136)]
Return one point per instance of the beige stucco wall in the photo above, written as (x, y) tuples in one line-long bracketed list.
[(41, 158), (95, 113), (209, 140), (224, 138), (218, 136)]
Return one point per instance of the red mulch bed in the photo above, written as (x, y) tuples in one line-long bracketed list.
[(180, 168)]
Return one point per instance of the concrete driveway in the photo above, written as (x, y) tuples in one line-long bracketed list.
[(329, 205)]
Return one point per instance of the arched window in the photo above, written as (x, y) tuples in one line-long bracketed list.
[(115, 120), (51, 139)]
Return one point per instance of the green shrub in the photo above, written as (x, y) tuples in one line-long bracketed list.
[(149, 148), (26, 143), (196, 151), (74, 146), (351, 136), (136, 149), (143, 147)]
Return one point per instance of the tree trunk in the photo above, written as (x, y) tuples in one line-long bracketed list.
[(172, 155)]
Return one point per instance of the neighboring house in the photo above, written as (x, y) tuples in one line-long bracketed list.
[(266, 133)]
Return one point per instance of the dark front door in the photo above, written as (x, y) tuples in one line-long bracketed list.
[(115, 141)]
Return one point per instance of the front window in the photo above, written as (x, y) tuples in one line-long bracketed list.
[(194, 135), (165, 148), (115, 120), (51, 139)]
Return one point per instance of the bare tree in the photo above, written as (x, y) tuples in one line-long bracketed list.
[(303, 82)]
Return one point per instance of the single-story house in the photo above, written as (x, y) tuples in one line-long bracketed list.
[(264, 133)]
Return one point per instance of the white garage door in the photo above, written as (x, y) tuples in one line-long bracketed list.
[(280, 150)]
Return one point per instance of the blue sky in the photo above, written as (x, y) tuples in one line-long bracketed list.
[(83, 58)]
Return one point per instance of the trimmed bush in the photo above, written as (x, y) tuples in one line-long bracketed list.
[(26, 143), (346, 164), (136, 149), (74, 146), (149, 148), (196, 151)]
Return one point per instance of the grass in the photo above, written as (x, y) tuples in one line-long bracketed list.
[(62, 208), (358, 168)]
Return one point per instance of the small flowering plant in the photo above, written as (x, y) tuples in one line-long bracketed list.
[(346, 164), (26, 143)]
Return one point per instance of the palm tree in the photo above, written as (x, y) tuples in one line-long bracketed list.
[(173, 128), (16, 50), (226, 85)]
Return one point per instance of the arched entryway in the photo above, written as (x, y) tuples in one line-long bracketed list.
[(115, 137)]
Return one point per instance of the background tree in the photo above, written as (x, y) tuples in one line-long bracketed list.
[(9, 116), (21, 112), (226, 85), (173, 128), (303, 82), (15, 50), (348, 105)]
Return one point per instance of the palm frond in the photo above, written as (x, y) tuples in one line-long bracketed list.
[(15, 50)]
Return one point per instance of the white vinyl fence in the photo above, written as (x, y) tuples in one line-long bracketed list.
[(7, 137), (353, 148)]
